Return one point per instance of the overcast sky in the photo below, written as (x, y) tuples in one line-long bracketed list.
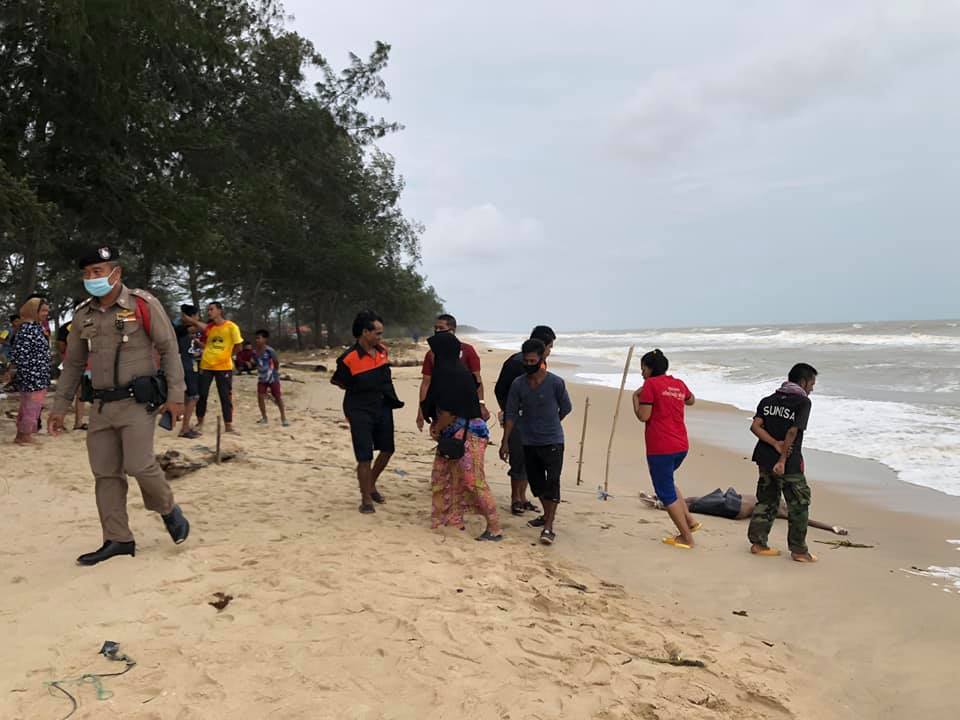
[(648, 164)]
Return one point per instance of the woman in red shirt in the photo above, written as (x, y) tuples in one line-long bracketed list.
[(660, 403)]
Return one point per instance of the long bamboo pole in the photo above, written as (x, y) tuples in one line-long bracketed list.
[(218, 440), (583, 439), (616, 415)]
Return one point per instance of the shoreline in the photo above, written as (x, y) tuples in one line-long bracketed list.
[(861, 602), (729, 430)]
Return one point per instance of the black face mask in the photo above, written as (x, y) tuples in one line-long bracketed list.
[(531, 369)]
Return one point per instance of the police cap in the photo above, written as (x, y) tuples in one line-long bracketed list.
[(103, 253)]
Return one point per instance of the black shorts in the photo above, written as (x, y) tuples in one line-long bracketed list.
[(544, 465), (371, 430), (518, 460), (192, 380)]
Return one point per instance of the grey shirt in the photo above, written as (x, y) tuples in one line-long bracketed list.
[(542, 408)]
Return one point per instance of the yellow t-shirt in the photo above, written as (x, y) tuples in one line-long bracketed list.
[(218, 352)]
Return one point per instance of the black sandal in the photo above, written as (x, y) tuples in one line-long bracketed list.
[(517, 508), (377, 497), (527, 505), (487, 535), (547, 537), (367, 509)]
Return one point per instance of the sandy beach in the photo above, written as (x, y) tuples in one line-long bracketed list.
[(339, 615)]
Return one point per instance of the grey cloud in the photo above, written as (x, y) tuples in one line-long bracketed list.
[(859, 55)]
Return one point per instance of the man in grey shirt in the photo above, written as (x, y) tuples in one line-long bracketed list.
[(541, 398)]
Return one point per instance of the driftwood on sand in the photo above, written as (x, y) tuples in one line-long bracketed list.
[(176, 464), (842, 543)]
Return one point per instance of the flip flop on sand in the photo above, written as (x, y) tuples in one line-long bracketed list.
[(696, 526), (490, 537), (190, 434), (804, 558), (377, 497), (764, 551), (675, 542), (367, 509)]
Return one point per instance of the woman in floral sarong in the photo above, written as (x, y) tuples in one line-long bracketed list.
[(30, 356), (453, 408)]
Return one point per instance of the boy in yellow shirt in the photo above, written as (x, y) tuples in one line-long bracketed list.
[(221, 338)]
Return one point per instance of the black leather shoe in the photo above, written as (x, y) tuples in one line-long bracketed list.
[(108, 550), (177, 524)]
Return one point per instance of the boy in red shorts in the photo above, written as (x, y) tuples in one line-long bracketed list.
[(268, 377)]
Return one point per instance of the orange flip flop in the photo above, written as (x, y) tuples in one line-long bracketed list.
[(676, 543), (808, 558), (696, 526), (764, 552)]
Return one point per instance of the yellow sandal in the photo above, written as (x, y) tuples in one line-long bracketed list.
[(676, 543)]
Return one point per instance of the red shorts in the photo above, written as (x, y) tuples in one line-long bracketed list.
[(273, 388)]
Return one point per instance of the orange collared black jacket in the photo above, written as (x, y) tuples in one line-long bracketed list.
[(367, 380)]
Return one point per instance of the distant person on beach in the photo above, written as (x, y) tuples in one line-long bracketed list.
[(7, 336), (268, 378), (221, 339), (779, 423), (246, 360), (511, 370), (660, 404), (30, 368), (189, 330), (468, 356), (536, 406), (363, 372), (735, 506), (63, 333), (452, 407)]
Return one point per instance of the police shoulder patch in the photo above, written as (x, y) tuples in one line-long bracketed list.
[(143, 294)]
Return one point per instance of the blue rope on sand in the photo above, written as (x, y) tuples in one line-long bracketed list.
[(111, 652)]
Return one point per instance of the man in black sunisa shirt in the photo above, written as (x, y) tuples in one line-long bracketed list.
[(778, 424)]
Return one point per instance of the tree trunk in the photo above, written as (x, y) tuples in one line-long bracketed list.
[(296, 323), (28, 272), (254, 299), (317, 327), (193, 282)]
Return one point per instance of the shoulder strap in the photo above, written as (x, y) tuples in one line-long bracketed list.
[(143, 314)]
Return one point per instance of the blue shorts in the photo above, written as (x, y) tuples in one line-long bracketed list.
[(662, 468)]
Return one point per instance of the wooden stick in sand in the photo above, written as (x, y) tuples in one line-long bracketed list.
[(583, 438), (613, 430), (218, 440)]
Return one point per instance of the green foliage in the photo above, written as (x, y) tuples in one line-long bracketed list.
[(184, 133)]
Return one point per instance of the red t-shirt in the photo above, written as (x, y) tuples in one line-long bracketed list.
[(666, 432), (468, 356)]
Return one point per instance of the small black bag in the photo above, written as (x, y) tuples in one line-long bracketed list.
[(86, 389), (452, 448), (150, 390)]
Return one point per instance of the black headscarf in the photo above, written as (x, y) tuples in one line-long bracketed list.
[(453, 388)]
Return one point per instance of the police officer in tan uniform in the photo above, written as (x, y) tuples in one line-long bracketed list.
[(117, 331)]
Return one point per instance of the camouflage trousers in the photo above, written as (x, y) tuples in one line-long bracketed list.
[(796, 493)]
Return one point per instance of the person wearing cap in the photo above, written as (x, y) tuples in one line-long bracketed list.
[(117, 330)]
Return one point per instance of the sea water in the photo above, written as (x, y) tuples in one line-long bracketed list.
[(886, 391)]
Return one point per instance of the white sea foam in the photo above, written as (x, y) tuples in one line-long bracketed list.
[(950, 574)]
